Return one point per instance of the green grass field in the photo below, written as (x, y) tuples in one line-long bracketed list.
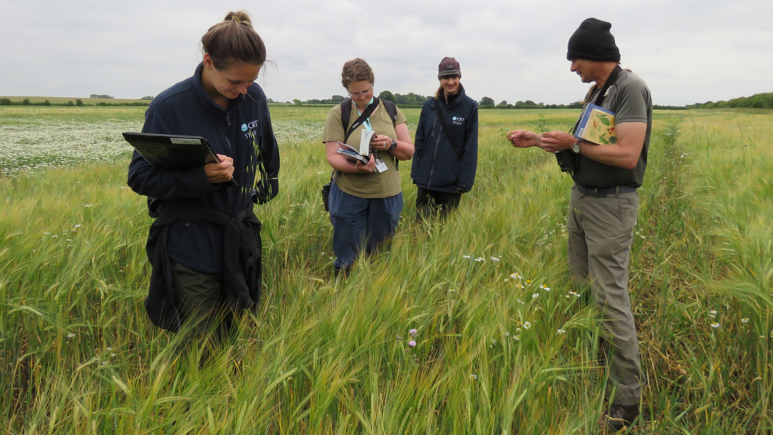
[(78, 354)]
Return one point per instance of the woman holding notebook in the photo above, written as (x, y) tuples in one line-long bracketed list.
[(365, 198), (205, 245)]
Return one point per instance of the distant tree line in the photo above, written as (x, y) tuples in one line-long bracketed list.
[(409, 99), (77, 102), (489, 103), (100, 96), (27, 102), (756, 101), (335, 99), (416, 100), (406, 100)]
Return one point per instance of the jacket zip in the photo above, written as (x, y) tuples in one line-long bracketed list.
[(434, 153)]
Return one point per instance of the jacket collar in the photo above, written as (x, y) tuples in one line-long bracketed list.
[(460, 96), (206, 99)]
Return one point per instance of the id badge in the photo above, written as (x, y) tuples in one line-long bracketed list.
[(380, 165)]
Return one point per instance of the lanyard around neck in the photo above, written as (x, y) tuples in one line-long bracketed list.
[(366, 122)]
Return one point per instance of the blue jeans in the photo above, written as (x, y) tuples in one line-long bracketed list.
[(361, 222)]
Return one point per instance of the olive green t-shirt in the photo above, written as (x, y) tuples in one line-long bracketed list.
[(629, 98), (373, 185)]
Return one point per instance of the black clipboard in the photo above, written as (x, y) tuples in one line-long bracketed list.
[(173, 152)]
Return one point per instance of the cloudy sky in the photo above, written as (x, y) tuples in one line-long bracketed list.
[(686, 50)]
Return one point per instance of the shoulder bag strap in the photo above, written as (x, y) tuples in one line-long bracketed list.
[(601, 95), (441, 117), (360, 120), (568, 160)]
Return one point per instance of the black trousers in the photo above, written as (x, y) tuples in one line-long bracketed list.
[(430, 202)]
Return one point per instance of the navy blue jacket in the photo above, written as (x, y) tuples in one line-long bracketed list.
[(436, 165), (186, 109)]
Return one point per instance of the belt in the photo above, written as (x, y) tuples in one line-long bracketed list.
[(601, 192)]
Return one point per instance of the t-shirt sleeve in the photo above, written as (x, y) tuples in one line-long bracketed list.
[(401, 119), (634, 97), (334, 131)]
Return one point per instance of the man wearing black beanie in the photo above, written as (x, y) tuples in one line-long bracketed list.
[(604, 202)]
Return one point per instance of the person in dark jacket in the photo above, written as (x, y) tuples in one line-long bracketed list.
[(205, 245), (446, 154)]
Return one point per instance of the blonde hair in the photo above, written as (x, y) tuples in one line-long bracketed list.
[(439, 93), (234, 40)]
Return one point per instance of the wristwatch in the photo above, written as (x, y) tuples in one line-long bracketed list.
[(576, 147), (394, 145)]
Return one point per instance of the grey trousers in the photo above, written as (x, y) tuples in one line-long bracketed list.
[(600, 236)]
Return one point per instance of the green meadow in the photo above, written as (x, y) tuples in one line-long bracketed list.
[(504, 343)]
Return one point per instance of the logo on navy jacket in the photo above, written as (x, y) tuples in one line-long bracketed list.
[(249, 129), (457, 120)]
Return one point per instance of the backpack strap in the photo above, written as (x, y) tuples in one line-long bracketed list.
[(346, 113), (391, 109)]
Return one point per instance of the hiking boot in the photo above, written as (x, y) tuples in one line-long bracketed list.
[(621, 417)]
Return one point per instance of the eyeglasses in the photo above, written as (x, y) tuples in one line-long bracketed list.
[(357, 94)]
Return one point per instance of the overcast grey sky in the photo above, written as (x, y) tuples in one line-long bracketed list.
[(686, 50)]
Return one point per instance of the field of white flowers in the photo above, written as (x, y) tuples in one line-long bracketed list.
[(34, 144)]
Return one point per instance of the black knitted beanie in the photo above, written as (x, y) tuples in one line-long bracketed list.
[(592, 41)]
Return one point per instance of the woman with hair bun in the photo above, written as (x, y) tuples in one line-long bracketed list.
[(205, 245), (365, 199)]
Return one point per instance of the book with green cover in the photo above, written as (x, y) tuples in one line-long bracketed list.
[(597, 125)]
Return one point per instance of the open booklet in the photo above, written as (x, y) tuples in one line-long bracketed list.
[(597, 125), (361, 154)]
